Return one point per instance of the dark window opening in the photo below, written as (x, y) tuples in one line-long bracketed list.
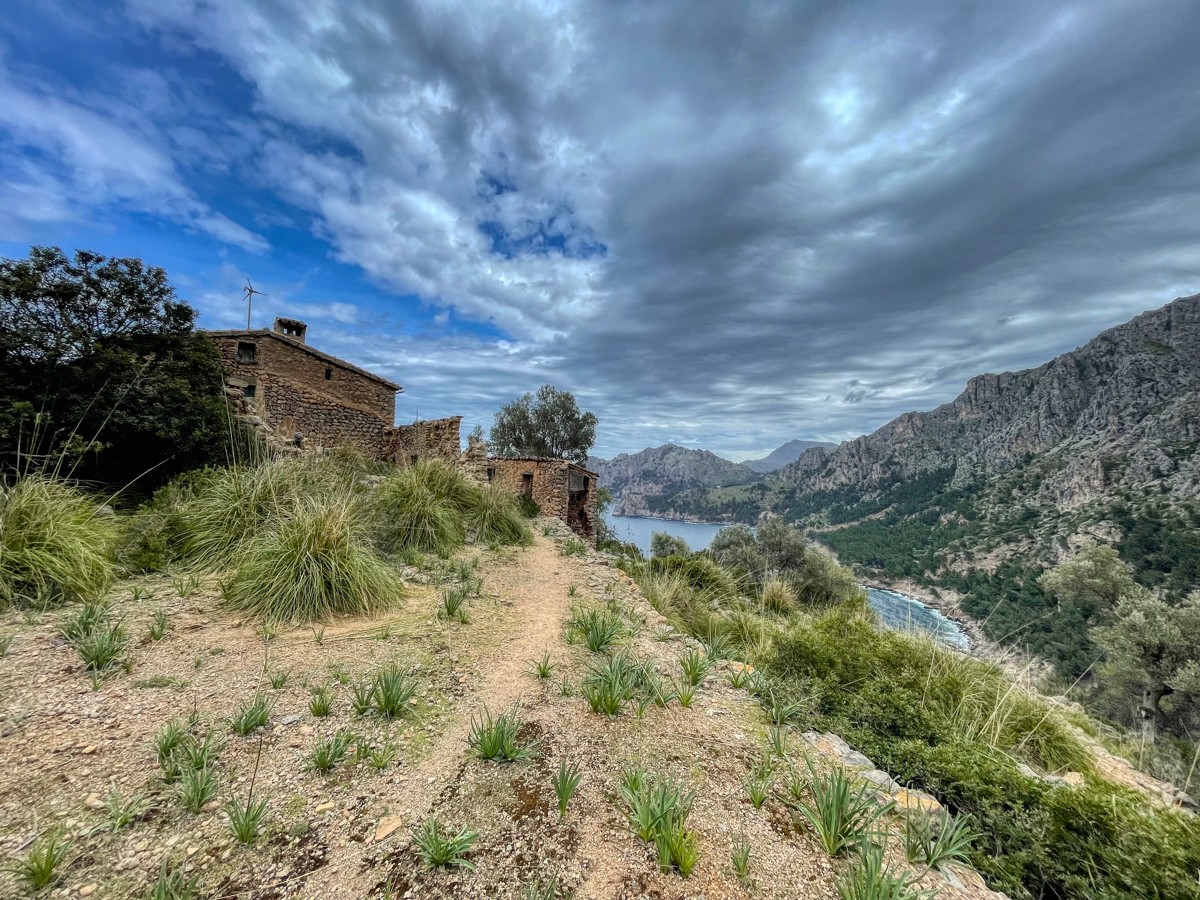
[(247, 352), (249, 391), (527, 484), (491, 473), (413, 459), (328, 374)]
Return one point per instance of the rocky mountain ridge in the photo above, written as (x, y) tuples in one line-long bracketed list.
[(783, 455), (658, 473), (1123, 410)]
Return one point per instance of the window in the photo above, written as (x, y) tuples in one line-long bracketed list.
[(491, 473), (328, 373), (527, 484), (247, 352), (249, 391), (413, 459)]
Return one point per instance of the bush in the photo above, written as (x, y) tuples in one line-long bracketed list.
[(778, 596), (312, 566), (528, 507), (663, 543), (53, 546), (495, 516)]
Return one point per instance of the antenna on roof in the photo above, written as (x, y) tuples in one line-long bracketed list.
[(249, 292)]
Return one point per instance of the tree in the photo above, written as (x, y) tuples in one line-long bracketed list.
[(101, 360), (1094, 581), (1157, 646), (663, 544), (548, 424)]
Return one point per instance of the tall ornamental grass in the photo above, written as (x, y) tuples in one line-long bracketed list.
[(53, 546), (316, 564)]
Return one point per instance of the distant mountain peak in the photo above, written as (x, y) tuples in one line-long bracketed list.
[(784, 454)]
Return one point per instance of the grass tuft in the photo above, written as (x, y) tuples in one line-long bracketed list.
[(439, 848), (250, 716), (497, 738), (842, 813), (42, 866), (565, 781), (246, 819)]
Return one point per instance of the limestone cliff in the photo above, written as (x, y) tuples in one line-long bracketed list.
[(642, 482)]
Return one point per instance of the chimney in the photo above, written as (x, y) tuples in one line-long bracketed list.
[(292, 328)]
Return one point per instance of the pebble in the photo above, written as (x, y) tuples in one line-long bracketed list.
[(324, 807), (88, 889)]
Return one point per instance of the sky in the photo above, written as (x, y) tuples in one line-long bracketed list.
[(720, 225)]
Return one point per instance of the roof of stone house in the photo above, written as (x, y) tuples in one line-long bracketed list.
[(313, 351), (544, 459)]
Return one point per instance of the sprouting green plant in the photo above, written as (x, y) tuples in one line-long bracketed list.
[(547, 530), (795, 783), (564, 687), (384, 633), (454, 604), (935, 842), (326, 755), (173, 884), (196, 788), (842, 813), (203, 754), (392, 690), (250, 716), (609, 684), (777, 741), (717, 646), (279, 680), (737, 677), (572, 589), (685, 692), (362, 696), (664, 633), (379, 758), (870, 878), (158, 625), (169, 741), (138, 594), (438, 847), (6, 642), (246, 819), (497, 738), (122, 813), (678, 847), (695, 666), (42, 866), (574, 547), (542, 668), (741, 857), (565, 781), (185, 585), (657, 810), (321, 702), (779, 711), (99, 642), (319, 635), (544, 890), (758, 789), (339, 673)]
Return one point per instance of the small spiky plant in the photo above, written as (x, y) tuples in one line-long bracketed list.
[(250, 716), (42, 866), (496, 738), (438, 847), (565, 781)]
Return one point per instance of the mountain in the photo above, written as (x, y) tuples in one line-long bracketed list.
[(781, 456), (1120, 412), (644, 483)]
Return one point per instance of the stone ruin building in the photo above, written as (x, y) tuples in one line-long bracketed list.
[(301, 398)]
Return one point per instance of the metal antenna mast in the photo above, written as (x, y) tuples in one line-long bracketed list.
[(249, 292)]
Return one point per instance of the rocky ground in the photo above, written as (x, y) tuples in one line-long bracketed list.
[(66, 745)]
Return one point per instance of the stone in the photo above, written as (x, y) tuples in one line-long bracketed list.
[(880, 779), (324, 807), (88, 889), (93, 801), (910, 800), (290, 719), (387, 826)]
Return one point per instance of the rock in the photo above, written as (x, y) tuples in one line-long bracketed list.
[(387, 826), (290, 719), (736, 666), (93, 801), (88, 889), (910, 800), (880, 779), (306, 730), (324, 807)]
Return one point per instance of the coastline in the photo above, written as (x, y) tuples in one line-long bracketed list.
[(946, 607), (617, 515)]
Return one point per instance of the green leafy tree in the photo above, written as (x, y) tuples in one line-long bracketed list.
[(664, 544), (103, 367), (548, 424), (1094, 581), (1157, 647)]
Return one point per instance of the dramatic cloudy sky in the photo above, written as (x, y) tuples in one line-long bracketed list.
[(719, 224)]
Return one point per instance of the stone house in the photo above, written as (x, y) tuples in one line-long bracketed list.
[(304, 396), (559, 487)]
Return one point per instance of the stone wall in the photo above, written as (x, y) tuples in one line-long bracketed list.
[(428, 439), (299, 391), (558, 487)]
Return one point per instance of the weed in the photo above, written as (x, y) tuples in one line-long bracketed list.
[(330, 753), (321, 703), (202, 754), (758, 784), (547, 530), (279, 680), (362, 696), (339, 673), (657, 810), (572, 589), (741, 857), (123, 813), (42, 866), (454, 604), (574, 547), (695, 666), (168, 743), (717, 646), (173, 884), (437, 847), (158, 625), (496, 738), (737, 677), (609, 684), (138, 594), (685, 692), (250, 716), (780, 712), (319, 635), (544, 890), (870, 878), (564, 687), (565, 781), (842, 812), (379, 758), (6, 642), (796, 784), (934, 843), (599, 628), (196, 788), (246, 819), (392, 690), (542, 668), (185, 585), (103, 647)]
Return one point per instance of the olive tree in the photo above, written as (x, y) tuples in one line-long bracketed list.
[(548, 424)]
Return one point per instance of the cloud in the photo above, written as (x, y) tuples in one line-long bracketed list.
[(723, 224)]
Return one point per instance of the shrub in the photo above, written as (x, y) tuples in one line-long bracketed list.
[(411, 515), (778, 596), (312, 566), (53, 545), (495, 517)]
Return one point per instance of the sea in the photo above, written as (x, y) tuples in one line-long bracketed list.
[(896, 610)]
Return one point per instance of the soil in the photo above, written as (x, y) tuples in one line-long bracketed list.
[(65, 744)]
